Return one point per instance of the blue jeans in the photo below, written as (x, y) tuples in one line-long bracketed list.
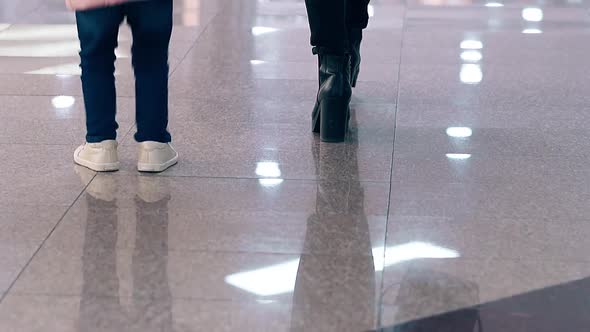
[(98, 29)]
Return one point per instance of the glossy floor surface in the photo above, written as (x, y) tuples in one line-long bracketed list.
[(459, 202)]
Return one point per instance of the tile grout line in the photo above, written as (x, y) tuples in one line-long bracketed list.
[(194, 44), (397, 102), (7, 291)]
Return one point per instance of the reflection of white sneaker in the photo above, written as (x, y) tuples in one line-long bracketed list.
[(156, 157), (99, 157), (102, 187)]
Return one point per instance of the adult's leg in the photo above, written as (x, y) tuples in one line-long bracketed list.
[(357, 14), (151, 23), (98, 30), (357, 19), (327, 21)]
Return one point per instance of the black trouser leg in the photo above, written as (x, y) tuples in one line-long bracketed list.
[(327, 21), (357, 14), (331, 20)]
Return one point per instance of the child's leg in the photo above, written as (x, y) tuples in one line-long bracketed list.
[(98, 31), (151, 23)]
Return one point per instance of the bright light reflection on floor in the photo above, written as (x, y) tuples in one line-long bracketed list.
[(494, 4), (459, 132), (268, 169), (531, 31), (40, 32), (458, 156), (532, 14), (408, 252), (471, 74), (63, 101), (269, 183), (281, 278), (267, 281), (471, 44), (471, 56), (70, 69), (257, 31), (256, 62)]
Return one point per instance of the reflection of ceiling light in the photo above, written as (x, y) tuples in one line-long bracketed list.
[(267, 281), (532, 31), (40, 32), (471, 45), (532, 14), (257, 31), (63, 101), (268, 169), (471, 56), (409, 251), (471, 74), (494, 4), (269, 183), (256, 62), (281, 278), (69, 69), (371, 10), (459, 132), (458, 156)]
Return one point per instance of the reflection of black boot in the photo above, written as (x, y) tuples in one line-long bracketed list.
[(355, 36), (330, 115)]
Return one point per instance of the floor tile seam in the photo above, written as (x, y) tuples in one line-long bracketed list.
[(195, 42), (504, 179), (125, 137), (239, 298), (42, 244), (34, 10), (241, 178), (275, 60), (389, 199), (444, 102), (188, 251), (487, 259), (441, 219), (8, 25), (261, 98)]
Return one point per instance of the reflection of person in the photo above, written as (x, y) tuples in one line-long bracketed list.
[(101, 308), (151, 24), (336, 292), (428, 291), (336, 34)]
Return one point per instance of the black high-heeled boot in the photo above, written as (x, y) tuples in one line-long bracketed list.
[(355, 36), (331, 112)]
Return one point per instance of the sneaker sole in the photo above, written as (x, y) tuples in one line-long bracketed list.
[(110, 167), (156, 168)]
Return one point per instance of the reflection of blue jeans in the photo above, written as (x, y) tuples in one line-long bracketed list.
[(98, 29)]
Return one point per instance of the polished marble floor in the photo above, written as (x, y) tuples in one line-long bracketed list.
[(460, 201)]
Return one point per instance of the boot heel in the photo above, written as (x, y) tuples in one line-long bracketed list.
[(333, 118), (354, 78), (316, 118)]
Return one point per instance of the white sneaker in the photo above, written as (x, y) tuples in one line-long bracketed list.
[(156, 157), (99, 157)]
